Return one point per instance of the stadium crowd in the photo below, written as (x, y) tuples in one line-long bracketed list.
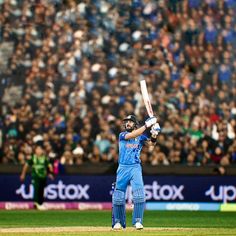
[(72, 71)]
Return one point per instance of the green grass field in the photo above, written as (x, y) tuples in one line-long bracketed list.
[(97, 223)]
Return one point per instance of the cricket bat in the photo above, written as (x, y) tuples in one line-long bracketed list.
[(146, 98)]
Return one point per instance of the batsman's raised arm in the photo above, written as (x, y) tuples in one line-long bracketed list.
[(136, 132)]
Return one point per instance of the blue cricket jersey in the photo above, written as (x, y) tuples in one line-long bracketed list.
[(129, 150)]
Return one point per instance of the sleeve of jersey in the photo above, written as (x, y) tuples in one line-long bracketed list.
[(147, 133), (144, 138), (122, 136)]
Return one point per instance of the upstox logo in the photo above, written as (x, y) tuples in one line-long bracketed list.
[(224, 193), (156, 191), (164, 192), (58, 191)]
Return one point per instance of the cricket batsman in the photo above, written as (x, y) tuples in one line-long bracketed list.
[(129, 170)]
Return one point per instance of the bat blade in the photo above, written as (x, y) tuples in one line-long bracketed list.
[(146, 98)]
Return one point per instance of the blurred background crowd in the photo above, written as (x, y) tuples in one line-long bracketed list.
[(70, 71)]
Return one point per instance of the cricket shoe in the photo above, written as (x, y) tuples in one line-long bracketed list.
[(138, 226), (41, 207), (117, 226)]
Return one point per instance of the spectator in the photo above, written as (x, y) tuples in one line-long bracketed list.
[(68, 66)]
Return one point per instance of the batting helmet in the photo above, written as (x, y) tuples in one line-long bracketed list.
[(132, 118)]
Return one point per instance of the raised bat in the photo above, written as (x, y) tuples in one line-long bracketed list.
[(146, 98)]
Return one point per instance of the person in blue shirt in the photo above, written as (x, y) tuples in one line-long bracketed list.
[(129, 170)]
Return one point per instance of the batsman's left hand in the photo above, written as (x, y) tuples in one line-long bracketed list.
[(155, 129), (150, 121)]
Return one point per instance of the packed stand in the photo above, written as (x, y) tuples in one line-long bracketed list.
[(75, 68)]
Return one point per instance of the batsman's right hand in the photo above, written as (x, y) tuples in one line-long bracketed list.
[(150, 121), (155, 129)]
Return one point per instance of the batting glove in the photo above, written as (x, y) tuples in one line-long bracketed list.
[(150, 121), (155, 129)]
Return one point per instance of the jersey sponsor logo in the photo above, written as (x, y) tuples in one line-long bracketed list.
[(132, 145), (224, 193), (57, 191)]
